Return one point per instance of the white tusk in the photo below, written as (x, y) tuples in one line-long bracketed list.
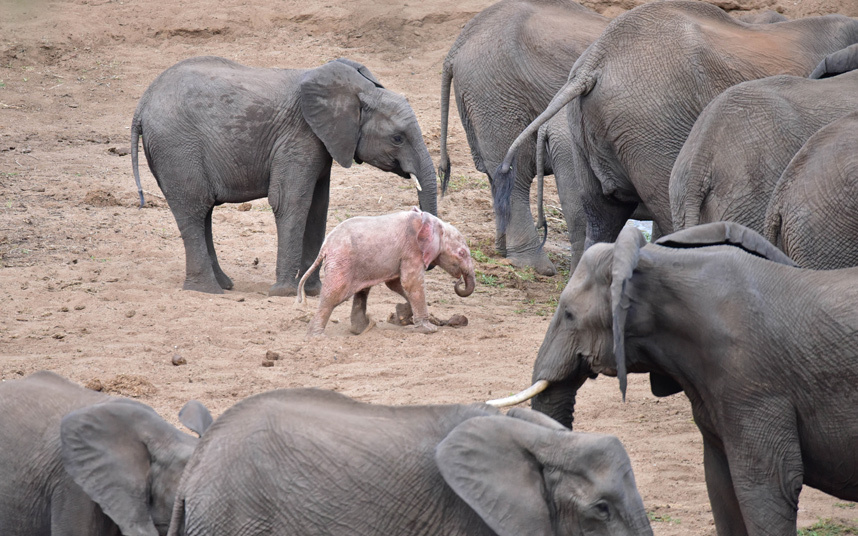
[(518, 398), (416, 183)]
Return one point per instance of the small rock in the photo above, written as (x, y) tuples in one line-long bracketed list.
[(94, 385), (131, 313), (59, 336), (179, 360), (64, 309), (119, 151), (268, 363), (244, 207), (272, 356), (79, 307)]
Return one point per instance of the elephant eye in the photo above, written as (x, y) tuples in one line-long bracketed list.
[(568, 315), (602, 510), (398, 139)]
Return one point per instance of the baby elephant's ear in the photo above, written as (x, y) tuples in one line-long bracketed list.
[(429, 238), (331, 106)]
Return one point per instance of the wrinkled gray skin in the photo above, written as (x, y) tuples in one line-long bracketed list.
[(813, 211), (80, 463), (764, 351), (394, 249), (506, 64), (762, 17), (743, 141), (218, 132), (635, 93), (307, 461)]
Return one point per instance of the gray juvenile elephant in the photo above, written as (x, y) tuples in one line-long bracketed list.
[(507, 63), (813, 211), (765, 352), (395, 249), (637, 90), (743, 141), (306, 461), (75, 462), (218, 132)]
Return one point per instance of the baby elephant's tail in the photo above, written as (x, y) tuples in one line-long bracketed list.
[(302, 297)]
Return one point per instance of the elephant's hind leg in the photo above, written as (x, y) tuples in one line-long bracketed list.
[(199, 271), (222, 279)]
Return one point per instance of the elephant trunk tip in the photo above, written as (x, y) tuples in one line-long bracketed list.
[(470, 284)]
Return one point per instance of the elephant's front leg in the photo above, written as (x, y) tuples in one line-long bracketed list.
[(410, 285), (719, 484), (298, 194), (361, 323)]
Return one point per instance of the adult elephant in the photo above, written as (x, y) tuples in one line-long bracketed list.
[(743, 141), (507, 63), (766, 353), (307, 461), (77, 462), (813, 211), (218, 132), (637, 90)]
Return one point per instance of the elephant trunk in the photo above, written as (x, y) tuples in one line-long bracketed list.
[(426, 178), (470, 284)]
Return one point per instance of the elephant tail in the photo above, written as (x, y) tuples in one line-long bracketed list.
[(580, 83), (302, 296), (135, 140), (540, 183), (444, 162)]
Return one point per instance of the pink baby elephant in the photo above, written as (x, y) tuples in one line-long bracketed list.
[(395, 249)]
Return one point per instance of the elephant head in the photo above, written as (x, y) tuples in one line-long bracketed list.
[(525, 474), (587, 335), (442, 244), (359, 120), (129, 460)]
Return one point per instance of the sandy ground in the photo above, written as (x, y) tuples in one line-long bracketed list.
[(90, 284)]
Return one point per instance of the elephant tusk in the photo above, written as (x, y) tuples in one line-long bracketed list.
[(518, 398), (416, 183)]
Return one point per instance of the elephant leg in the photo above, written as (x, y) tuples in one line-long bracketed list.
[(523, 245), (719, 484), (576, 219), (222, 279), (199, 271), (314, 231), (293, 184), (333, 294), (412, 289), (767, 469), (360, 322), (396, 286), (605, 217)]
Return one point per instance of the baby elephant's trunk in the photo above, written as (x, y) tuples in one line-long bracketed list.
[(470, 283)]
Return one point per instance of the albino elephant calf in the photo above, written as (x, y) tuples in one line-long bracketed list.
[(395, 249)]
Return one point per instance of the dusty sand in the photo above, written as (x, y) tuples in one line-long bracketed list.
[(90, 284)]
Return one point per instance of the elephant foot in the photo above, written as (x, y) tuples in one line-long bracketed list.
[(358, 329), (223, 280), (209, 288), (283, 289), (541, 264), (424, 327)]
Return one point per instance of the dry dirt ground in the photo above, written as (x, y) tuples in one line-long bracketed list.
[(90, 284)]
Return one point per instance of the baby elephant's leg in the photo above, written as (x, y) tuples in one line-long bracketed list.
[(330, 297), (413, 291), (360, 322)]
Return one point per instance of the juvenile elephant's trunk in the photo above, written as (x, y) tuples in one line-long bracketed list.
[(428, 194), (470, 284)]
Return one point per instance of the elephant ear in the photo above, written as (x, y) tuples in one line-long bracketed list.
[(836, 63), (429, 238), (489, 463), (196, 417), (106, 450), (627, 250), (725, 233), (331, 105), (362, 69)]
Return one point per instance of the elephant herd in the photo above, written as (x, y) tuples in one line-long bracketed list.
[(738, 138)]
